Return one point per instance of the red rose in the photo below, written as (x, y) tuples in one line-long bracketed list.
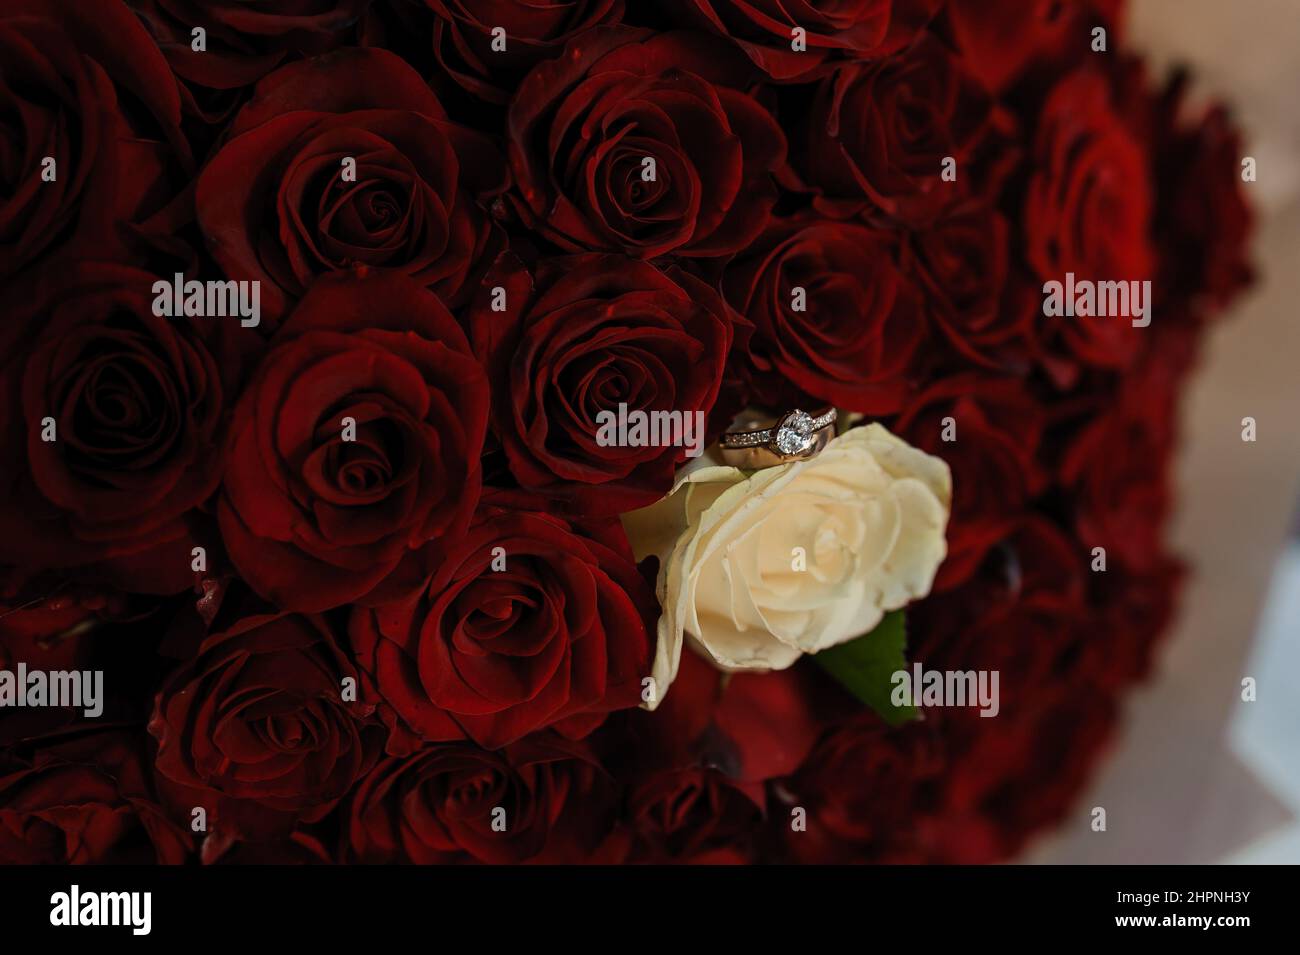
[(1033, 585), (1008, 778), (1078, 637), (463, 39), (280, 204), (1133, 612), (991, 446), (693, 814), (86, 801), (1002, 39), (584, 127), (137, 403), (961, 263), (242, 41), (1062, 639), (356, 444), (554, 628), (70, 71), (1203, 222), (880, 132), (440, 805), (593, 333), (852, 338), (864, 793), (258, 728), (1087, 210), (1117, 472), (751, 727), (764, 29)]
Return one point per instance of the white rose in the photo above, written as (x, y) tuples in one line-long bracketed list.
[(869, 513)]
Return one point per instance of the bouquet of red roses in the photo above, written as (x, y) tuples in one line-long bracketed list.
[(610, 430)]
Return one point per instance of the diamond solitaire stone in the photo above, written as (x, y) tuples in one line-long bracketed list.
[(794, 433)]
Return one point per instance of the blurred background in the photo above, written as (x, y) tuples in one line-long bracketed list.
[(1197, 775)]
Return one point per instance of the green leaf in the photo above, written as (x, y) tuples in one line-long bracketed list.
[(865, 666)]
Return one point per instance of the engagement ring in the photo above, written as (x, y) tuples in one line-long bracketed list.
[(797, 435)]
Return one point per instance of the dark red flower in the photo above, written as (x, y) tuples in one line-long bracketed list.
[(642, 143), (1117, 472), (1088, 210), (87, 800), (1008, 778), (1002, 40), (356, 444), (751, 727), (540, 800), (84, 88), (490, 65), (1131, 613), (1202, 220), (864, 794), (280, 204), (524, 623), (879, 133), (833, 316), (765, 29), (592, 333), (961, 262), (693, 814), (266, 726), (242, 42), (1024, 614), (119, 415), (988, 430)]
